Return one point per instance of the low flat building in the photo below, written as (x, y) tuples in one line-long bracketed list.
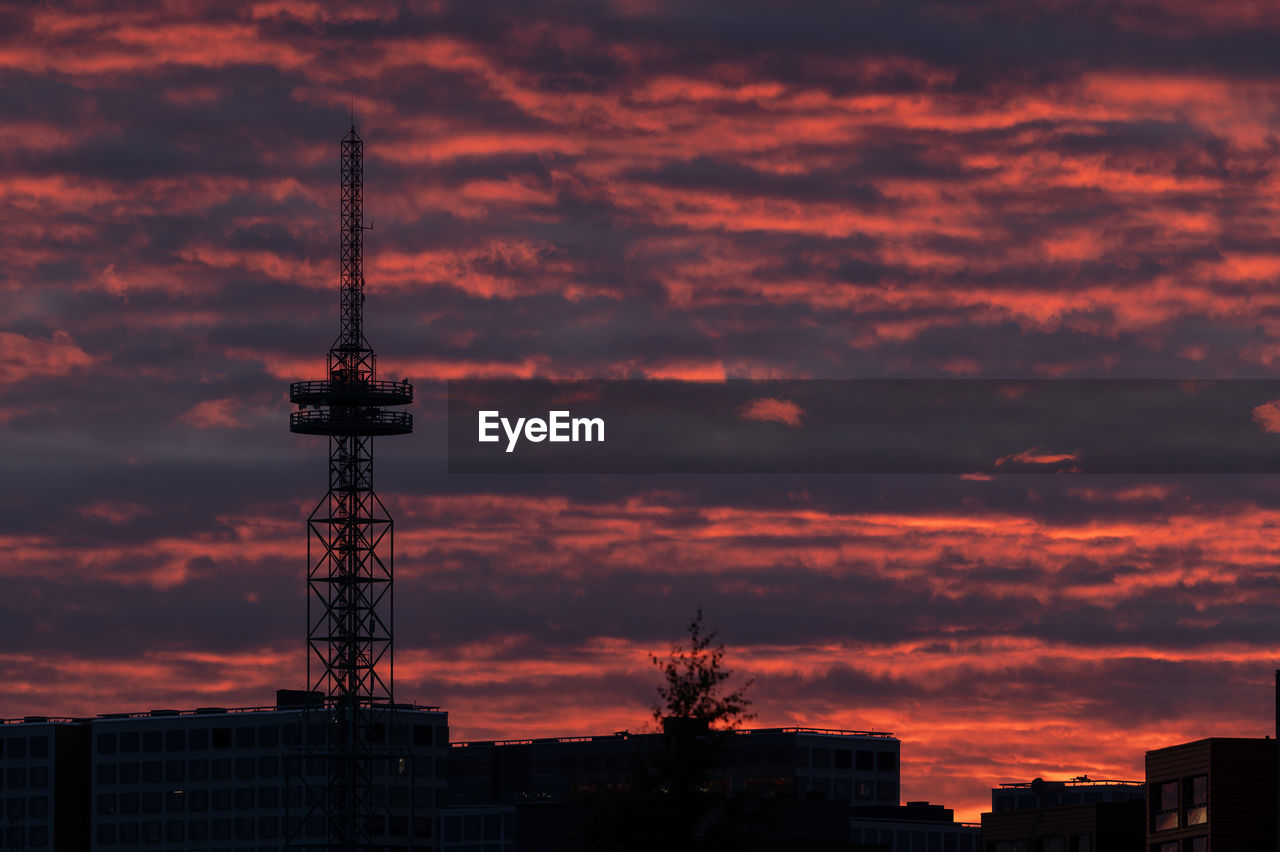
[(799, 787), (1095, 827), (1081, 790), (205, 780), (858, 767), (915, 825)]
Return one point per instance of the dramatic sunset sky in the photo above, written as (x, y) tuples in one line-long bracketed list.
[(638, 189)]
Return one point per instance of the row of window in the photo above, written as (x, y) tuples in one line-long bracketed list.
[(15, 807), (1029, 801), (242, 768), (480, 827), (20, 748), (567, 762), (1190, 844), (863, 760), (845, 788), (1074, 843), (1181, 802), (252, 736), (241, 799), (24, 837), (244, 828), (900, 840), (20, 777)]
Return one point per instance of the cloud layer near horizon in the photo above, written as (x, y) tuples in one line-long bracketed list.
[(636, 189)]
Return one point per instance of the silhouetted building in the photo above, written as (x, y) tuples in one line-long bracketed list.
[(1081, 790), (548, 789), (809, 787), (205, 779), (213, 779), (915, 825), (1095, 827), (44, 773), (849, 766), (1214, 794)]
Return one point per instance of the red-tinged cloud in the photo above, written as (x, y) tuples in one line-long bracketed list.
[(640, 192), (23, 358), (1036, 456), (782, 411), (1267, 416), (114, 513), (213, 414)]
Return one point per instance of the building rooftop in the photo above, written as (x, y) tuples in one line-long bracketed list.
[(1078, 781), (624, 735)]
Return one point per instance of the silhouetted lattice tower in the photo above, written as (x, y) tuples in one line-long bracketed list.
[(349, 559)]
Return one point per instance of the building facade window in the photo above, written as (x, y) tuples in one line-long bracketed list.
[(1197, 792), (1164, 807)]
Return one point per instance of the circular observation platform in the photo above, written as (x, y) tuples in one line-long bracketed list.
[(350, 421), (326, 392)]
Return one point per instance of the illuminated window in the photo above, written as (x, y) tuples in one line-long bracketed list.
[(1197, 791), (1164, 803)]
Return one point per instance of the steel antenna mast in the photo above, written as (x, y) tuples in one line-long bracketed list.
[(349, 564)]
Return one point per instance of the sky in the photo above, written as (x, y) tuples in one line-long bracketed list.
[(640, 190)]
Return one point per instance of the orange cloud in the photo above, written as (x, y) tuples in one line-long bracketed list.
[(1267, 416), (23, 358), (1035, 456), (782, 411), (213, 414)]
